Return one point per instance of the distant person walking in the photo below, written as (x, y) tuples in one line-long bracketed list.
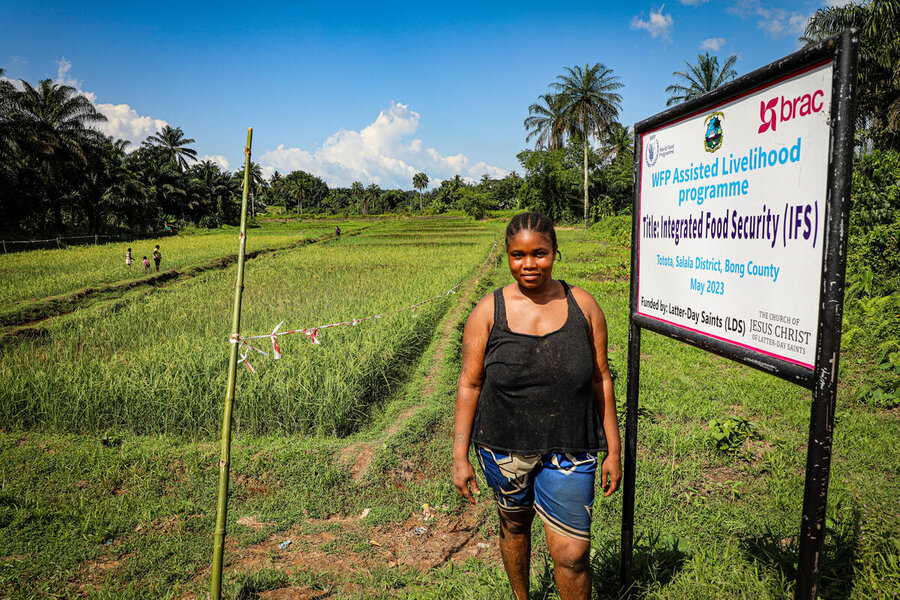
[(157, 257), (337, 231), (146, 264), (128, 257)]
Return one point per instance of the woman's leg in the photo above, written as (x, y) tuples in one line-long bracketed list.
[(510, 477), (571, 565), (515, 548), (564, 497)]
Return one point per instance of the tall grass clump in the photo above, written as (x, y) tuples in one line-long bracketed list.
[(155, 362)]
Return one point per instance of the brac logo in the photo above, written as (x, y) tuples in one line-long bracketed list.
[(770, 113)]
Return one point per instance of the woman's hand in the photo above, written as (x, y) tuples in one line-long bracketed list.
[(610, 474), (463, 477)]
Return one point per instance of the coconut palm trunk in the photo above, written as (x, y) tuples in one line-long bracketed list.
[(585, 142), (589, 105)]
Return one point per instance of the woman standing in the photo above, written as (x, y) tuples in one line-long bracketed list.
[(535, 397)]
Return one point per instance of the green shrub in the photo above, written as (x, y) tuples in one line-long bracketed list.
[(875, 220), (731, 433)]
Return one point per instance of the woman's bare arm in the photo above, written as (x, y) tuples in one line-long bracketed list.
[(471, 378)]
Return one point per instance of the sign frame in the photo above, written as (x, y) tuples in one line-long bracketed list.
[(843, 50)]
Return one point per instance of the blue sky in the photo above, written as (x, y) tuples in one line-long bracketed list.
[(371, 91)]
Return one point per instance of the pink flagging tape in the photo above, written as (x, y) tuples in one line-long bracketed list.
[(312, 333), (244, 358), (276, 350)]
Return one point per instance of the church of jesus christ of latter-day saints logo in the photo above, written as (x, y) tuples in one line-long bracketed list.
[(652, 152), (713, 139)]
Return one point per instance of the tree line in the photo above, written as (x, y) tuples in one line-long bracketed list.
[(59, 175)]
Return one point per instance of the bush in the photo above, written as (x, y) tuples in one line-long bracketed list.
[(209, 222), (474, 203), (875, 220), (615, 230), (871, 301)]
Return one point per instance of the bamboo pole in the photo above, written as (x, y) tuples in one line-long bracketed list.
[(222, 510)]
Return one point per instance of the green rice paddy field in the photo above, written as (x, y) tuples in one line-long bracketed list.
[(110, 411)]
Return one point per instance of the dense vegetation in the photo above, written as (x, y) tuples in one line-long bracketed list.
[(872, 299)]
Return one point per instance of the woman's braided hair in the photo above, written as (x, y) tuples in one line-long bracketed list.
[(531, 221)]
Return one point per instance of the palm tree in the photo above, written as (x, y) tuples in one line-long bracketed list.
[(545, 122), (207, 182), (56, 118), (256, 182), (879, 56), (175, 143), (8, 148), (420, 182), (619, 143), (590, 105), (276, 183), (161, 182), (703, 77), (53, 121), (371, 194), (356, 189), (296, 187)]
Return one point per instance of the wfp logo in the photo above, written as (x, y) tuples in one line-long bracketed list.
[(651, 154), (784, 109), (712, 141)]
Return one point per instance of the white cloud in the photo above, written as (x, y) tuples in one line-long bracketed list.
[(693, 2), (714, 44), (776, 22), (123, 122), (218, 159), (62, 74), (659, 25), (378, 153)]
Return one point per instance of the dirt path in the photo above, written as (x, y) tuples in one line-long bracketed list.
[(427, 540)]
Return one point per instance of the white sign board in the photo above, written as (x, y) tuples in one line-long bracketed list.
[(732, 217)]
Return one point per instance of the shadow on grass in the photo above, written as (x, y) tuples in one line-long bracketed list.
[(656, 560), (836, 566)]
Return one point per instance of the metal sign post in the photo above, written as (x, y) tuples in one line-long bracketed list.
[(739, 241)]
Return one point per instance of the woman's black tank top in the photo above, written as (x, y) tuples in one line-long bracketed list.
[(537, 394)]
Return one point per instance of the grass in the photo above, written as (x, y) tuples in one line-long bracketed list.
[(42, 273), (151, 360), (710, 523)]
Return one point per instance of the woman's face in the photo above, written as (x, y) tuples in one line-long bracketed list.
[(531, 256)]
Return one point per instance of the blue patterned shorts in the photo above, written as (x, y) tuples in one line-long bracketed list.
[(559, 485)]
